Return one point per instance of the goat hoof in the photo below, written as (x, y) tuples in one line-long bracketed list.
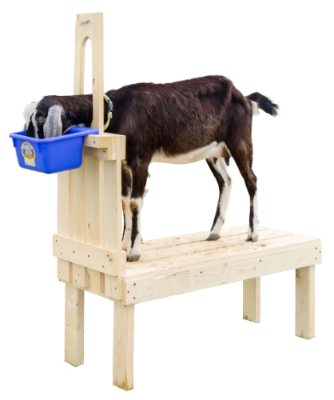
[(252, 239), (213, 236), (133, 258)]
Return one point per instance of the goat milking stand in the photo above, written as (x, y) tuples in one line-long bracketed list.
[(90, 256)]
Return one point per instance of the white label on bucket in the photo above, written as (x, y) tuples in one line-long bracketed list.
[(28, 153)]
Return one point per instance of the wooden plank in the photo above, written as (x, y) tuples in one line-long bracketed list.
[(100, 141), (109, 147), (91, 291), (202, 246), (93, 30), (77, 218), (101, 154), (305, 302), (94, 231), (111, 218), (176, 262), (84, 254), (205, 272), (123, 346), (74, 325), (252, 299), (192, 237), (64, 268)]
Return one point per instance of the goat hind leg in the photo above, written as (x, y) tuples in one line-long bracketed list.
[(243, 160), (253, 219), (219, 170)]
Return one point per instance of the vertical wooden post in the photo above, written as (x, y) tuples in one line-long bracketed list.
[(75, 209), (74, 325), (90, 26), (305, 302), (123, 345), (89, 210), (252, 299)]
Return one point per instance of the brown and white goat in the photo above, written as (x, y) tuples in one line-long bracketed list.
[(178, 123)]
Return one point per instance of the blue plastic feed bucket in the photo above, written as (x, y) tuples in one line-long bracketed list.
[(51, 155)]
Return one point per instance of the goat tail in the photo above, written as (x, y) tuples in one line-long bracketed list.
[(263, 102)]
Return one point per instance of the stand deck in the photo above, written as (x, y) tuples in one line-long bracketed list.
[(182, 264)]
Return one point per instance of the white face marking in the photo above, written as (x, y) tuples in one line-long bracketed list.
[(221, 167), (30, 112), (214, 149)]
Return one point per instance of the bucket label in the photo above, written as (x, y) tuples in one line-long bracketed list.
[(29, 154)]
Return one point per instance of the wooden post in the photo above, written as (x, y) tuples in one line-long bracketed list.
[(74, 325), (123, 346), (89, 198), (305, 302), (252, 299)]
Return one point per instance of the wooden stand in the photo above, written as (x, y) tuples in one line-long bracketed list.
[(88, 243)]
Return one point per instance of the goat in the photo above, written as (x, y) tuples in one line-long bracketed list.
[(178, 123)]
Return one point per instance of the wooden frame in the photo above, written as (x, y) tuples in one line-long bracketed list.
[(89, 202), (88, 242)]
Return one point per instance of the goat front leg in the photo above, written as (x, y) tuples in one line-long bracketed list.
[(140, 174), (127, 222), (126, 196)]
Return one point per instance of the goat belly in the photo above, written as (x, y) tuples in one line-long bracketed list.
[(192, 157)]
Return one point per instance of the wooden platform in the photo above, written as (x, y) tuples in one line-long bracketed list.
[(176, 265), (182, 264), (186, 263)]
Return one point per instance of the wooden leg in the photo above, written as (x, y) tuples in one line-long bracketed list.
[(305, 302), (252, 303), (123, 345), (74, 325)]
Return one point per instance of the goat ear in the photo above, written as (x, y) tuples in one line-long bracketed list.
[(53, 125)]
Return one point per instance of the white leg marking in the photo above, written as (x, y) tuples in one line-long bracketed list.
[(128, 223), (147, 190), (254, 235), (221, 167), (136, 204)]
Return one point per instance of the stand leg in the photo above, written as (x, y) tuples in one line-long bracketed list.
[(305, 303), (252, 300), (74, 325), (123, 347)]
